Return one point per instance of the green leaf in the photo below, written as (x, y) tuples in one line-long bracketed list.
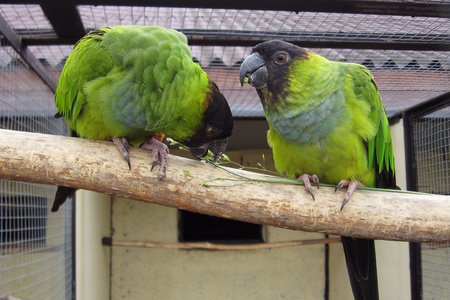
[(186, 173)]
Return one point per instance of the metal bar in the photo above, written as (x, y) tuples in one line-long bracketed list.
[(338, 44), (238, 40), (25, 53), (415, 257), (265, 34), (353, 40), (411, 184), (409, 115), (401, 8), (64, 18), (319, 35), (422, 109), (407, 8), (411, 170), (429, 106)]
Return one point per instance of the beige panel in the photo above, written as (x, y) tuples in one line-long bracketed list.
[(393, 257), (143, 273), (93, 221)]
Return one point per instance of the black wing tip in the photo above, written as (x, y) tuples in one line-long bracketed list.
[(62, 193), (361, 264)]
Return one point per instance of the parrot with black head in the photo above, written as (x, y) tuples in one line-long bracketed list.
[(135, 85), (326, 120)]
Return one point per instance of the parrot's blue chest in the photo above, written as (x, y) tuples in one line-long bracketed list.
[(306, 126)]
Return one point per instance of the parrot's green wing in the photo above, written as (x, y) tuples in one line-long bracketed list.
[(89, 60), (380, 153)]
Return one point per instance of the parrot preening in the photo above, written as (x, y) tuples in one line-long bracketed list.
[(136, 84), (326, 120)]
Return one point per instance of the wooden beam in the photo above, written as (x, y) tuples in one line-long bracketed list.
[(98, 166)]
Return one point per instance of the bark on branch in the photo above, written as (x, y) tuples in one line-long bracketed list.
[(98, 166)]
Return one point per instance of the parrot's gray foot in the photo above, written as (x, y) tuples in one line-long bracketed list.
[(122, 146), (307, 179), (352, 185), (159, 150)]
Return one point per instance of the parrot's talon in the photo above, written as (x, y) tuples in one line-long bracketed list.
[(122, 145), (315, 179), (312, 194), (338, 186), (159, 150), (352, 185), (153, 165), (307, 179), (343, 203), (341, 184), (127, 158)]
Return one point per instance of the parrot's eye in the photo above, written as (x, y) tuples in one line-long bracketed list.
[(211, 131), (281, 57)]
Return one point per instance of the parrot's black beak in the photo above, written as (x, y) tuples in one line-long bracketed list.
[(254, 69), (218, 147), (199, 152)]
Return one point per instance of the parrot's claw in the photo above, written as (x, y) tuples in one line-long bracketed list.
[(307, 179), (352, 185), (316, 180), (159, 151), (122, 146), (343, 203), (311, 193), (127, 158), (338, 186)]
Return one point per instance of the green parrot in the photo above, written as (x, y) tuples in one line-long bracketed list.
[(326, 120), (136, 84)]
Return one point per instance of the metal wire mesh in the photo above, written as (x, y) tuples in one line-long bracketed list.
[(35, 245), (279, 24), (432, 148), (28, 20), (405, 78)]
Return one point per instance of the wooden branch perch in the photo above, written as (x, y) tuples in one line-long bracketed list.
[(98, 166)]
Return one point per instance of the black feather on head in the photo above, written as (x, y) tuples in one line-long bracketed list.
[(217, 125), (269, 48), (278, 55), (267, 67)]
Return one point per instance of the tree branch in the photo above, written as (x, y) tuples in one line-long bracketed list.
[(98, 166)]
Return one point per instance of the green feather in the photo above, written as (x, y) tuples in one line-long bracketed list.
[(328, 120), (130, 81), (325, 118)]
